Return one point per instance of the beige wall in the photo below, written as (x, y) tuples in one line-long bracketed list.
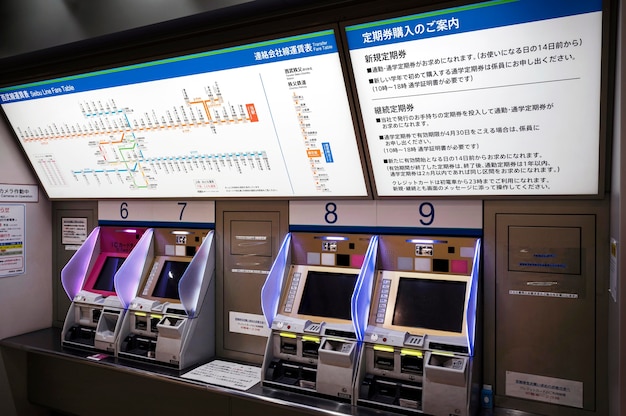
[(26, 299)]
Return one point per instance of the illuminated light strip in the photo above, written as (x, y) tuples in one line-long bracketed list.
[(431, 14), (141, 314), (422, 241), (331, 238), (413, 353), (383, 348), (335, 339), (156, 316), (443, 353), (288, 335), (310, 338)]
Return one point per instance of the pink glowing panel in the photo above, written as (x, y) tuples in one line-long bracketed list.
[(356, 260), (458, 266)]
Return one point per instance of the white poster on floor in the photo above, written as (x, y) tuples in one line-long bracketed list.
[(227, 374)]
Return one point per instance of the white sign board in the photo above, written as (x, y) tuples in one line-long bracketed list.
[(73, 230), (12, 240), (174, 211), (494, 98), (18, 193), (426, 214)]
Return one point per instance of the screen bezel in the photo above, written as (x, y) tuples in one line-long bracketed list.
[(151, 280), (94, 274), (395, 277), (304, 270), (606, 105)]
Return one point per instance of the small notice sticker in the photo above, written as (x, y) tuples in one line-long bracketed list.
[(544, 389), (248, 323)]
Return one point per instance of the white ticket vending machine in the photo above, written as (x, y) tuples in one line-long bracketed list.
[(95, 315), (311, 300), (419, 345), (171, 314)]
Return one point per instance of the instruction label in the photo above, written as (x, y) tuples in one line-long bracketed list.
[(544, 389)]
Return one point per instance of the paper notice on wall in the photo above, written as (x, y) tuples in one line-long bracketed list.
[(544, 389), (73, 230), (248, 323), (12, 240), (223, 373)]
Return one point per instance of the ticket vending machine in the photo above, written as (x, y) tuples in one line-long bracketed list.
[(95, 315), (316, 300), (419, 345), (171, 314)]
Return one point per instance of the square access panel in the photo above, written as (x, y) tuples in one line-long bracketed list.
[(251, 237), (545, 249)]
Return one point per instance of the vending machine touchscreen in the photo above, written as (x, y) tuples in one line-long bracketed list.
[(322, 293), (419, 345), (102, 280), (162, 283)]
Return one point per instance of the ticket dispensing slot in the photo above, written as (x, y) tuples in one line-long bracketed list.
[(108, 325), (314, 346), (445, 379), (419, 342), (337, 360)]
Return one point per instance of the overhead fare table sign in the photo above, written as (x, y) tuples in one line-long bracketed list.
[(270, 118), (494, 98)]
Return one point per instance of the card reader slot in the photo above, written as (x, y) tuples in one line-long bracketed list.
[(308, 378), (412, 364), (81, 335), (410, 397), (86, 333), (291, 374), (291, 371), (141, 323), (288, 346), (145, 344), (310, 349), (383, 360), (95, 317), (153, 324), (385, 393), (137, 345)]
